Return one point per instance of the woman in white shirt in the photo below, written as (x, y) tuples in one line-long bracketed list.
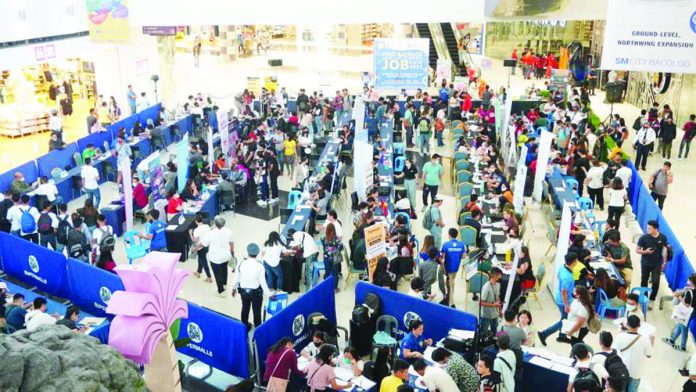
[(581, 311), (617, 199), (197, 234), (595, 185), (302, 171), (350, 360), (220, 252), (271, 254)]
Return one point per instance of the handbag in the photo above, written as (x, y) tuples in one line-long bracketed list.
[(594, 325), (276, 384)]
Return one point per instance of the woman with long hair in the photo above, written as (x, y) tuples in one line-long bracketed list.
[(280, 361), (603, 281), (272, 252), (89, 214), (617, 199), (428, 242), (106, 261), (524, 269), (580, 314), (320, 372), (382, 368), (381, 275), (332, 247)]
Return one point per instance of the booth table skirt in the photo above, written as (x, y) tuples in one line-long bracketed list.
[(292, 274), (116, 217), (178, 239), (537, 378)]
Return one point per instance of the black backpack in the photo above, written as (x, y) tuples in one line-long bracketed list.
[(615, 367), (45, 223), (360, 315), (76, 245), (636, 124), (63, 229), (374, 305), (587, 381), (108, 242)]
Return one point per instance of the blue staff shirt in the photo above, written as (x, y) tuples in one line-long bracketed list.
[(444, 94), (413, 343), (453, 251), (565, 281), (158, 239)]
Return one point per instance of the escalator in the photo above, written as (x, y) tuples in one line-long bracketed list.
[(424, 32), (451, 41)]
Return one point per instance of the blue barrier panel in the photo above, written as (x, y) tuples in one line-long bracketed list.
[(292, 321), (56, 158), (91, 287), (438, 319), (150, 113), (216, 340), (31, 173), (97, 139), (34, 265)]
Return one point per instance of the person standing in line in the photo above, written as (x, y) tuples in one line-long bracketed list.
[(653, 260), (645, 138), (633, 348), (47, 225), (659, 183), (595, 185), (132, 97), (424, 132), (25, 217), (453, 251), (250, 281), (490, 302), (617, 200), (437, 221), (407, 122), (431, 178), (155, 233), (689, 133), (668, 132), (271, 254), (624, 173), (220, 253), (90, 182), (505, 363), (197, 234), (564, 295)]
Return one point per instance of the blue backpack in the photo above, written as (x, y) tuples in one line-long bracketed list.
[(27, 222)]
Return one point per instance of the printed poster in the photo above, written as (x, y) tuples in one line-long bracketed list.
[(375, 246), (108, 21), (401, 63)]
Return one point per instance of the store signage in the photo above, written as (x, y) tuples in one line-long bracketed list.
[(401, 63), (636, 40), (44, 52), (159, 30)]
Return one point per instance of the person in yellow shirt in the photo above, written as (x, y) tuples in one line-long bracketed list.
[(103, 114), (397, 378), (289, 150)]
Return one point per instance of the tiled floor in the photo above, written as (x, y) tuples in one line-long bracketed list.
[(301, 71)]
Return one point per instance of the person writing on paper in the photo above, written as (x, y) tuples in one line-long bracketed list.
[(590, 376), (320, 372), (462, 373), (564, 292), (617, 253), (434, 377), (350, 360), (312, 349), (633, 349), (281, 360), (393, 382), (414, 343)]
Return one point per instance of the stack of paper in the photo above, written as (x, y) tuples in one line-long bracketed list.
[(539, 361), (364, 383), (343, 374), (461, 334)]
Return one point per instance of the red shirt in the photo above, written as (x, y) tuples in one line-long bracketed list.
[(174, 204), (140, 196)]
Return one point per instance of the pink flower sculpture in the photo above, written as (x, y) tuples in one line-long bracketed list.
[(148, 307)]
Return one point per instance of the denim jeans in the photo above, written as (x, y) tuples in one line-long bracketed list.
[(94, 195), (432, 189), (633, 384), (557, 326), (276, 272), (409, 136), (490, 325), (424, 142), (49, 238), (281, 158), (680, 330), (687, 144)]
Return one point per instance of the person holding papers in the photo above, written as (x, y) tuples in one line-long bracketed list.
[(280, 362), (434, 377), (580, 313), (414, 343), (320, 372), (564, 292)]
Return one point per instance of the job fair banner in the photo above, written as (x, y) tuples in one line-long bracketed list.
[(91, 287), (438, 319), (401, 63), (653, 36), (216, 340), (293, 321), (34, 265), (375, 246)]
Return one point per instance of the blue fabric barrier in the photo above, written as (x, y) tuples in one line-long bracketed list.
[(150, 113), (216, 340), (56, 158), (292, 321), (405, 308), (31, 173), (91, 287), (97, 139), (34, 265)]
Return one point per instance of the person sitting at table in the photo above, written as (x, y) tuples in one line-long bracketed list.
[(404, 246), (524, 321), (350, 360), (19, 186), (506, 195), (382, 277), (175, 204), (220, 164), (471, 205), (617, 253), (611, 226), (611, 287), (320, 372), (281, 361), (140, 199), (137, 129), (579, 247), (414, 343), (509, 221), (89, 214), (475, 221), (155, 233), (49, 190), (524, 269), (190, 192), (402, 204), (89, 152), (400, 227)]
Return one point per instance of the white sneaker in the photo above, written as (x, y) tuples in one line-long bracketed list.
[(650, 305), (424, 208), (222, 295), (261, 203), (273, 201)]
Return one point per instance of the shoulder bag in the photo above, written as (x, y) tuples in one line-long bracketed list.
[(276, 384)]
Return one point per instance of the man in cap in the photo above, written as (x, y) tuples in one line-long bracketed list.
[(250, 281)]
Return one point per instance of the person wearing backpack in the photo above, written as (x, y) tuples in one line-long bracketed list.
[(26, 216), (47, 225), (610, 360), (505, 363), (102, 237), (63, 227), (78, 244), (424, 131), (590, 375), (633, 349)]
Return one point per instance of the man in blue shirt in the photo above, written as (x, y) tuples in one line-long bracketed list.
[(452, 250), (564, 296), (444, 93), (155, 233), (414, 344), (16, 312)]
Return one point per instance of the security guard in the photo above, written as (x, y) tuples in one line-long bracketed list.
[(250, 281)]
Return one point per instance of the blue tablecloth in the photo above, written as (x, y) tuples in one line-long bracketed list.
[(97, 139), (536, 378), (116, 217), (29, 171), (555, 180), (57, 158), (209, 207)]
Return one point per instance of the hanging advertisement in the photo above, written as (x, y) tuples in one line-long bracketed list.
[(156, 174), (401, 63), (254, 85), (108, 21), (375, 246), (559, 81), (443, 71), (650, 36)]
